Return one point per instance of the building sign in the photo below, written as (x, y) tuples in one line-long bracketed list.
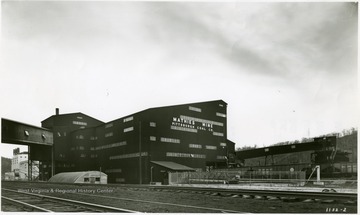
[(192, 124)]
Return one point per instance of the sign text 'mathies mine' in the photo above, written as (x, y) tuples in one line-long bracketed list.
[(177, 121)]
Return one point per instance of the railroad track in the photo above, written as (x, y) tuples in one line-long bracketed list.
[(234, 196), (272, 193), (43, 203)]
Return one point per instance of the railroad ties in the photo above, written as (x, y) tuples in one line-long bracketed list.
[(41, 203)]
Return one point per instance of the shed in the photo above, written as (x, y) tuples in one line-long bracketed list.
[(87, 177)]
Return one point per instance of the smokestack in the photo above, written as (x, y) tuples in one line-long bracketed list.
[(57, 111)]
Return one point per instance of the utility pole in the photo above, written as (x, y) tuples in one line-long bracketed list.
[(140, 178)]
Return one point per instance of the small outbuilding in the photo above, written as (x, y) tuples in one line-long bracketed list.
[(87, 177)]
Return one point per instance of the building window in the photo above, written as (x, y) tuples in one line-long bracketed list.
[(109, 134), (81, 147), (195, 146), (211, 147), (79, 123), (128, 119), (152, 138), (218, 134), (195, 109), (220, 114), (221, 157), (169, 140), (109, 125), (193, 130), (152, 124), (128, 129), (82, 155), (223, 144)]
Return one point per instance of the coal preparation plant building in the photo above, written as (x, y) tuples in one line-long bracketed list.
[(142, 147)]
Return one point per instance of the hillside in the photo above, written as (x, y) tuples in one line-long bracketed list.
[(5, 166)]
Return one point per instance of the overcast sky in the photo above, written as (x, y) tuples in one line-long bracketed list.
[(286, 70)]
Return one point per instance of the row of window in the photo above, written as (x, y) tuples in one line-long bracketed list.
[(193, 130), (110, 134), (211, 147), (184, 155), (152, 138), (128, 119), (109, 125), (169, 140), (199, 110), (91, 156), (123, 143), (195, 146), (198, 146), (132, 155)]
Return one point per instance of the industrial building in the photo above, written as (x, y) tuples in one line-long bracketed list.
[(336, 157), (139, 148), (146, 146), (20, 167)]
